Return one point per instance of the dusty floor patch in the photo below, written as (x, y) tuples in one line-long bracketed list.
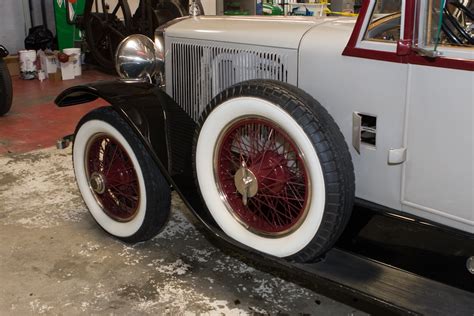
[(54, 259)]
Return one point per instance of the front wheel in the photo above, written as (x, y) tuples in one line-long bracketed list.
[(274, 170), (120, 183)]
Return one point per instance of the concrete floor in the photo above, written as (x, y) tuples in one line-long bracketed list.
[(54, 259)]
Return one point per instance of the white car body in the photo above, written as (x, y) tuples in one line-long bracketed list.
[(423, 161)]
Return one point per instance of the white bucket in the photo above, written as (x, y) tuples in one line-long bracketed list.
[(27, 64), (75, 53)]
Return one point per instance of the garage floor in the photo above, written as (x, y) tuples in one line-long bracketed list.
[(55, 260)]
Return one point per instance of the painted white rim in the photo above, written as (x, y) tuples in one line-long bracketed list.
[(85, 133), (219, 118)]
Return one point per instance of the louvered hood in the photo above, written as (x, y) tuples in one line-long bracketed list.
[(283, 32), (206, 55)]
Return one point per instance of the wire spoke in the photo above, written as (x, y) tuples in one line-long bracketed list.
[(273, 161), (109, 160)]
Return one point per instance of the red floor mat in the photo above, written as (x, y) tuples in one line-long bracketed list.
[(34, 121)]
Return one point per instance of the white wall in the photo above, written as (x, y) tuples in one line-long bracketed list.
[(37, 19), (14, 24), (15, 21)]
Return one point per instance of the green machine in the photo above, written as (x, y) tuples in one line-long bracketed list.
[(66, 12), (272, 9)]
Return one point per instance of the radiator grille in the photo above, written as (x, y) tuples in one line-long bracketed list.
[(200, 72)]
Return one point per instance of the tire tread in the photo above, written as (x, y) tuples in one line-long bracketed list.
[(158, 193), (329, 144)]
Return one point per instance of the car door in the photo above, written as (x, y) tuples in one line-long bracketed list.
[(438, 174), (367, 79)]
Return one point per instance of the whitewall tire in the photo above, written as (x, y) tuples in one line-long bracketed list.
[(122, 187), (266, 170)]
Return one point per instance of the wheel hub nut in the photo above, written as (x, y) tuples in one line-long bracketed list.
[(97, 183)]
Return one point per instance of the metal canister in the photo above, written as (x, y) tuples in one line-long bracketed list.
[(27, 64)]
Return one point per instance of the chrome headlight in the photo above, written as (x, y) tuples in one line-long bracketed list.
[(137, 57)]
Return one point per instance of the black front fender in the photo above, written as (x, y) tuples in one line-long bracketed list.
[(166, 130), (150, 111)]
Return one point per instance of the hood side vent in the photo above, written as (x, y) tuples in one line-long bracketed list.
[(200, 72)]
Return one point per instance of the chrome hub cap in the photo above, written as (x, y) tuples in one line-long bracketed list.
[(246, 183), (470, 264), (97, 183)]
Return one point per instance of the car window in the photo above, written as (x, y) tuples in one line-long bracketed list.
[(385, 21), (448, 23)]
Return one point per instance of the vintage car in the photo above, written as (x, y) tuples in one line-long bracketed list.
[(270, 128)]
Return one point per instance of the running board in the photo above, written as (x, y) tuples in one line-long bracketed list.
[(373, 286), (365, 284), (376, 287)]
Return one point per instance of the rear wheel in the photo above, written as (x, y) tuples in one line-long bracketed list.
[(120, 183), (157, 13), (274, 170), (6, 90), (105, 27)]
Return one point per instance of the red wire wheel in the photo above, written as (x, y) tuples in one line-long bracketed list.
[(262, 176), (112, 178), (274, 169)]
